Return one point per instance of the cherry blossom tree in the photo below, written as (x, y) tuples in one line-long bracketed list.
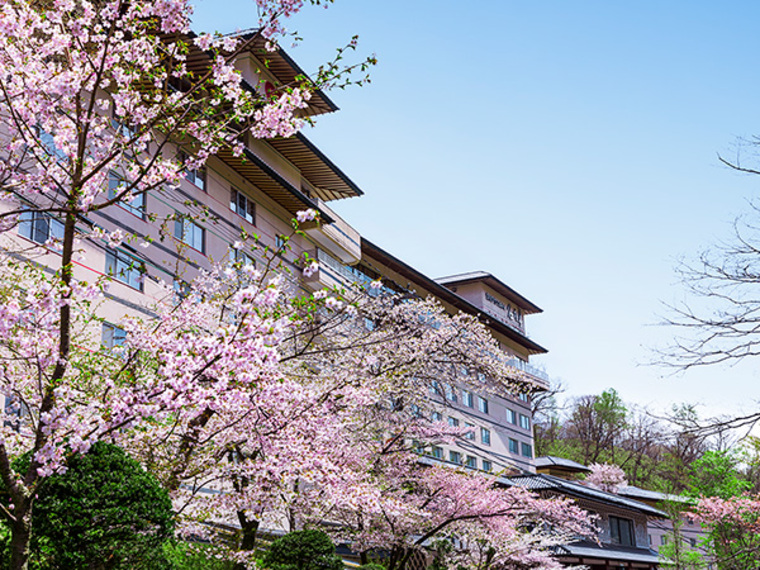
[(247, 401), (606, 477), (87, 89), (733, 525)]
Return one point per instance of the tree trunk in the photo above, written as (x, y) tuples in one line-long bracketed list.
[(249, 530), (21, 534)]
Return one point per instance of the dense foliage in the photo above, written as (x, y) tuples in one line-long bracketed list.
[(302, 550), (105, 512)]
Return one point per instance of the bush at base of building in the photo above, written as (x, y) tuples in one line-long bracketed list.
[(302, 550), (104, 513)]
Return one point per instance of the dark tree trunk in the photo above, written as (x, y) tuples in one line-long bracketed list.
[(21, 534)]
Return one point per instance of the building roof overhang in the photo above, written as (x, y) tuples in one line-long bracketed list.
[(329, 181), (254, 169), (542, 482), (277, 62), (494, 283), (560, 463), (588, 550), (447, 295)]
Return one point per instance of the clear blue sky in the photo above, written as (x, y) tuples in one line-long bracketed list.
[(569, 148)]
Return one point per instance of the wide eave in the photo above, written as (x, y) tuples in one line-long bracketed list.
[(372, 251)]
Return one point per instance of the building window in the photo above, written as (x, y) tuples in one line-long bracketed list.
[(196, 177), (39, 227), (182, 290), (470, 434), (487, 466), (693, 542), (524, 421), (453, 422), (621, 531), (511, 416), (48, 143), (482, 404), (451, 394), (437, 417), (189, 233), (455, 457), (467, 398), (514, 446), (471, 462), (243, 207), (416, 411), (437, 452), (524, 397), (435, 388), (240, 258), (527, 450), (280, 243), (485, 436), (113, 336), (125, 268), (115, 186)]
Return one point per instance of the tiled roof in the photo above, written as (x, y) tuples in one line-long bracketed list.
[(587, 549), (550, 460), (647, 495), (550, 483)]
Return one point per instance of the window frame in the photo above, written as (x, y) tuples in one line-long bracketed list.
[(482, 405), (182, 224), (117, 335), (132, 264), (485, 436), (195, 175), (54, 227), (140, 210), (617, 534), (248, 208)]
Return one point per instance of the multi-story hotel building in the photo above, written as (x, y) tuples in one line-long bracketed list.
[(257, 195)]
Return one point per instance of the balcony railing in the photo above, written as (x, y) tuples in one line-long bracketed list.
[(340, 239), (347, 273), (529, 369)]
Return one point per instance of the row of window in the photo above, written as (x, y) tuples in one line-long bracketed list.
[(515, 447), (469, 461), (239, 202), (485, 434), (482, 404), (520, 448), (40, 227), (512, 417), (467, 397)]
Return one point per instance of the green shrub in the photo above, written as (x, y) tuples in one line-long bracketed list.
[(105, 513), (182, 556), (303, 550)]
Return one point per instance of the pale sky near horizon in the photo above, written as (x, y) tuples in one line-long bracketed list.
[(569, 148)]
